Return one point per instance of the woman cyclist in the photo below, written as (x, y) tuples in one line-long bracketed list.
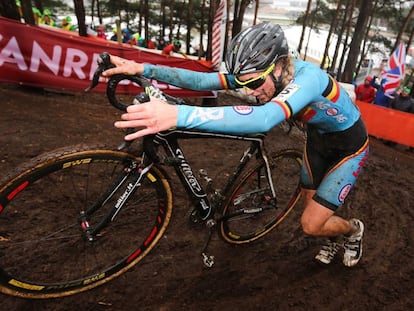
[(258, 60)]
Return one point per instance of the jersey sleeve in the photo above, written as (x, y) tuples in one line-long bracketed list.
[(188, 79), (231, 119)]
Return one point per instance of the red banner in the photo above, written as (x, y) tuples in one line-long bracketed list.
[(58, 59)]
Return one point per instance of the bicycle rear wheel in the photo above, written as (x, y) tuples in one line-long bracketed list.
[(251, 211), (44, 252)]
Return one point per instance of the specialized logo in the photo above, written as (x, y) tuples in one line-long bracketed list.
[(344, 193), (243, 110)]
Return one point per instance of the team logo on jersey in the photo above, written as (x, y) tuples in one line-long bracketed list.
[(243, 110), (344, 193), (332, 112), (287, 92)]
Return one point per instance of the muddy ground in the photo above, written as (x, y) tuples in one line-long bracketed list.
[(275, 273)]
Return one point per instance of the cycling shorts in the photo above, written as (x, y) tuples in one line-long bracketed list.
[(333, 161)]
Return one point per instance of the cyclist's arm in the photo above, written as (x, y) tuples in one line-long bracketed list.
[(254, 119), (188, 79), (231, 119)]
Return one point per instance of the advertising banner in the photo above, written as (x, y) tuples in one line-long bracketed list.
[(48, 57), (389, 124)]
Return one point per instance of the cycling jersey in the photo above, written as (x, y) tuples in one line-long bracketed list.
[(312, 96)]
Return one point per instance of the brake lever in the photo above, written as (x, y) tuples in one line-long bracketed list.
[(104, 63)]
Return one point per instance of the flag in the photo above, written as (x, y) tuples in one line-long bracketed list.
[(394, 70), (219, 32)]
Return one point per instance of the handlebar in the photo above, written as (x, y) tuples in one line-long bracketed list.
[(104, 63)]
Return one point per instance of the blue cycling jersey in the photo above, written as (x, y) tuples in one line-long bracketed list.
[(312, 96)]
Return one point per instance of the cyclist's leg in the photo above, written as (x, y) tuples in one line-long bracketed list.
[(318, 220), (332, 187)]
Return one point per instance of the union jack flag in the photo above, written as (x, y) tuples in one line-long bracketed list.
[(394, 70)]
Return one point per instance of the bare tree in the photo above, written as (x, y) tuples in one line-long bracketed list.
[(80, 15), (238, 15), (345, 46), (304, 24), (189, 24), (334, 23), (354, 50)]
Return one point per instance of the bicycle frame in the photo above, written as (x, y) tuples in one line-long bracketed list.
[(169, 140)]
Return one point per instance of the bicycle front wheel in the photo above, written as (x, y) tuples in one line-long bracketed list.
[(251, 211), (44, 251)]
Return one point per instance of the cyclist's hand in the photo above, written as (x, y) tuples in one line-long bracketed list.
[(150, 118), (124, 66)]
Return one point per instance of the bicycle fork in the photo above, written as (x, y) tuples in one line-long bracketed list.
[(91, 231)]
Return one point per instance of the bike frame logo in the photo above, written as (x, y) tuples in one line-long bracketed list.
[(191, 180)]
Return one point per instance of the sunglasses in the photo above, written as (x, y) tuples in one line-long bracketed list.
[(256, 82)]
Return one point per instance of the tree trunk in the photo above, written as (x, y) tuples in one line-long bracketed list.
[(80, 15), (9, 9), (364, 13), (334, 23), (98, 12), (203, 9), (256, 10), (348, 32), (189, 24), (171, 19), (146, 22), (239, 10), (27, 12), (305, 21)]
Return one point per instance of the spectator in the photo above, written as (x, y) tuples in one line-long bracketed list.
[(67, 24), (126, 36), (381, 99), (150, 44), (47, 18), (114, 36), (100, 30), (403, 101), (175, 46), (161, 44), (37, 16), (365, 91)]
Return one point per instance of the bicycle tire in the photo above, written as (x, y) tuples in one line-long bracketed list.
[(250, 212), (43, 253)]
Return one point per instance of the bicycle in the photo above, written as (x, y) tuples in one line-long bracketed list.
[(99, 198)]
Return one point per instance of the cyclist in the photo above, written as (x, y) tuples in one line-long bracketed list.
[(258, 59)]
